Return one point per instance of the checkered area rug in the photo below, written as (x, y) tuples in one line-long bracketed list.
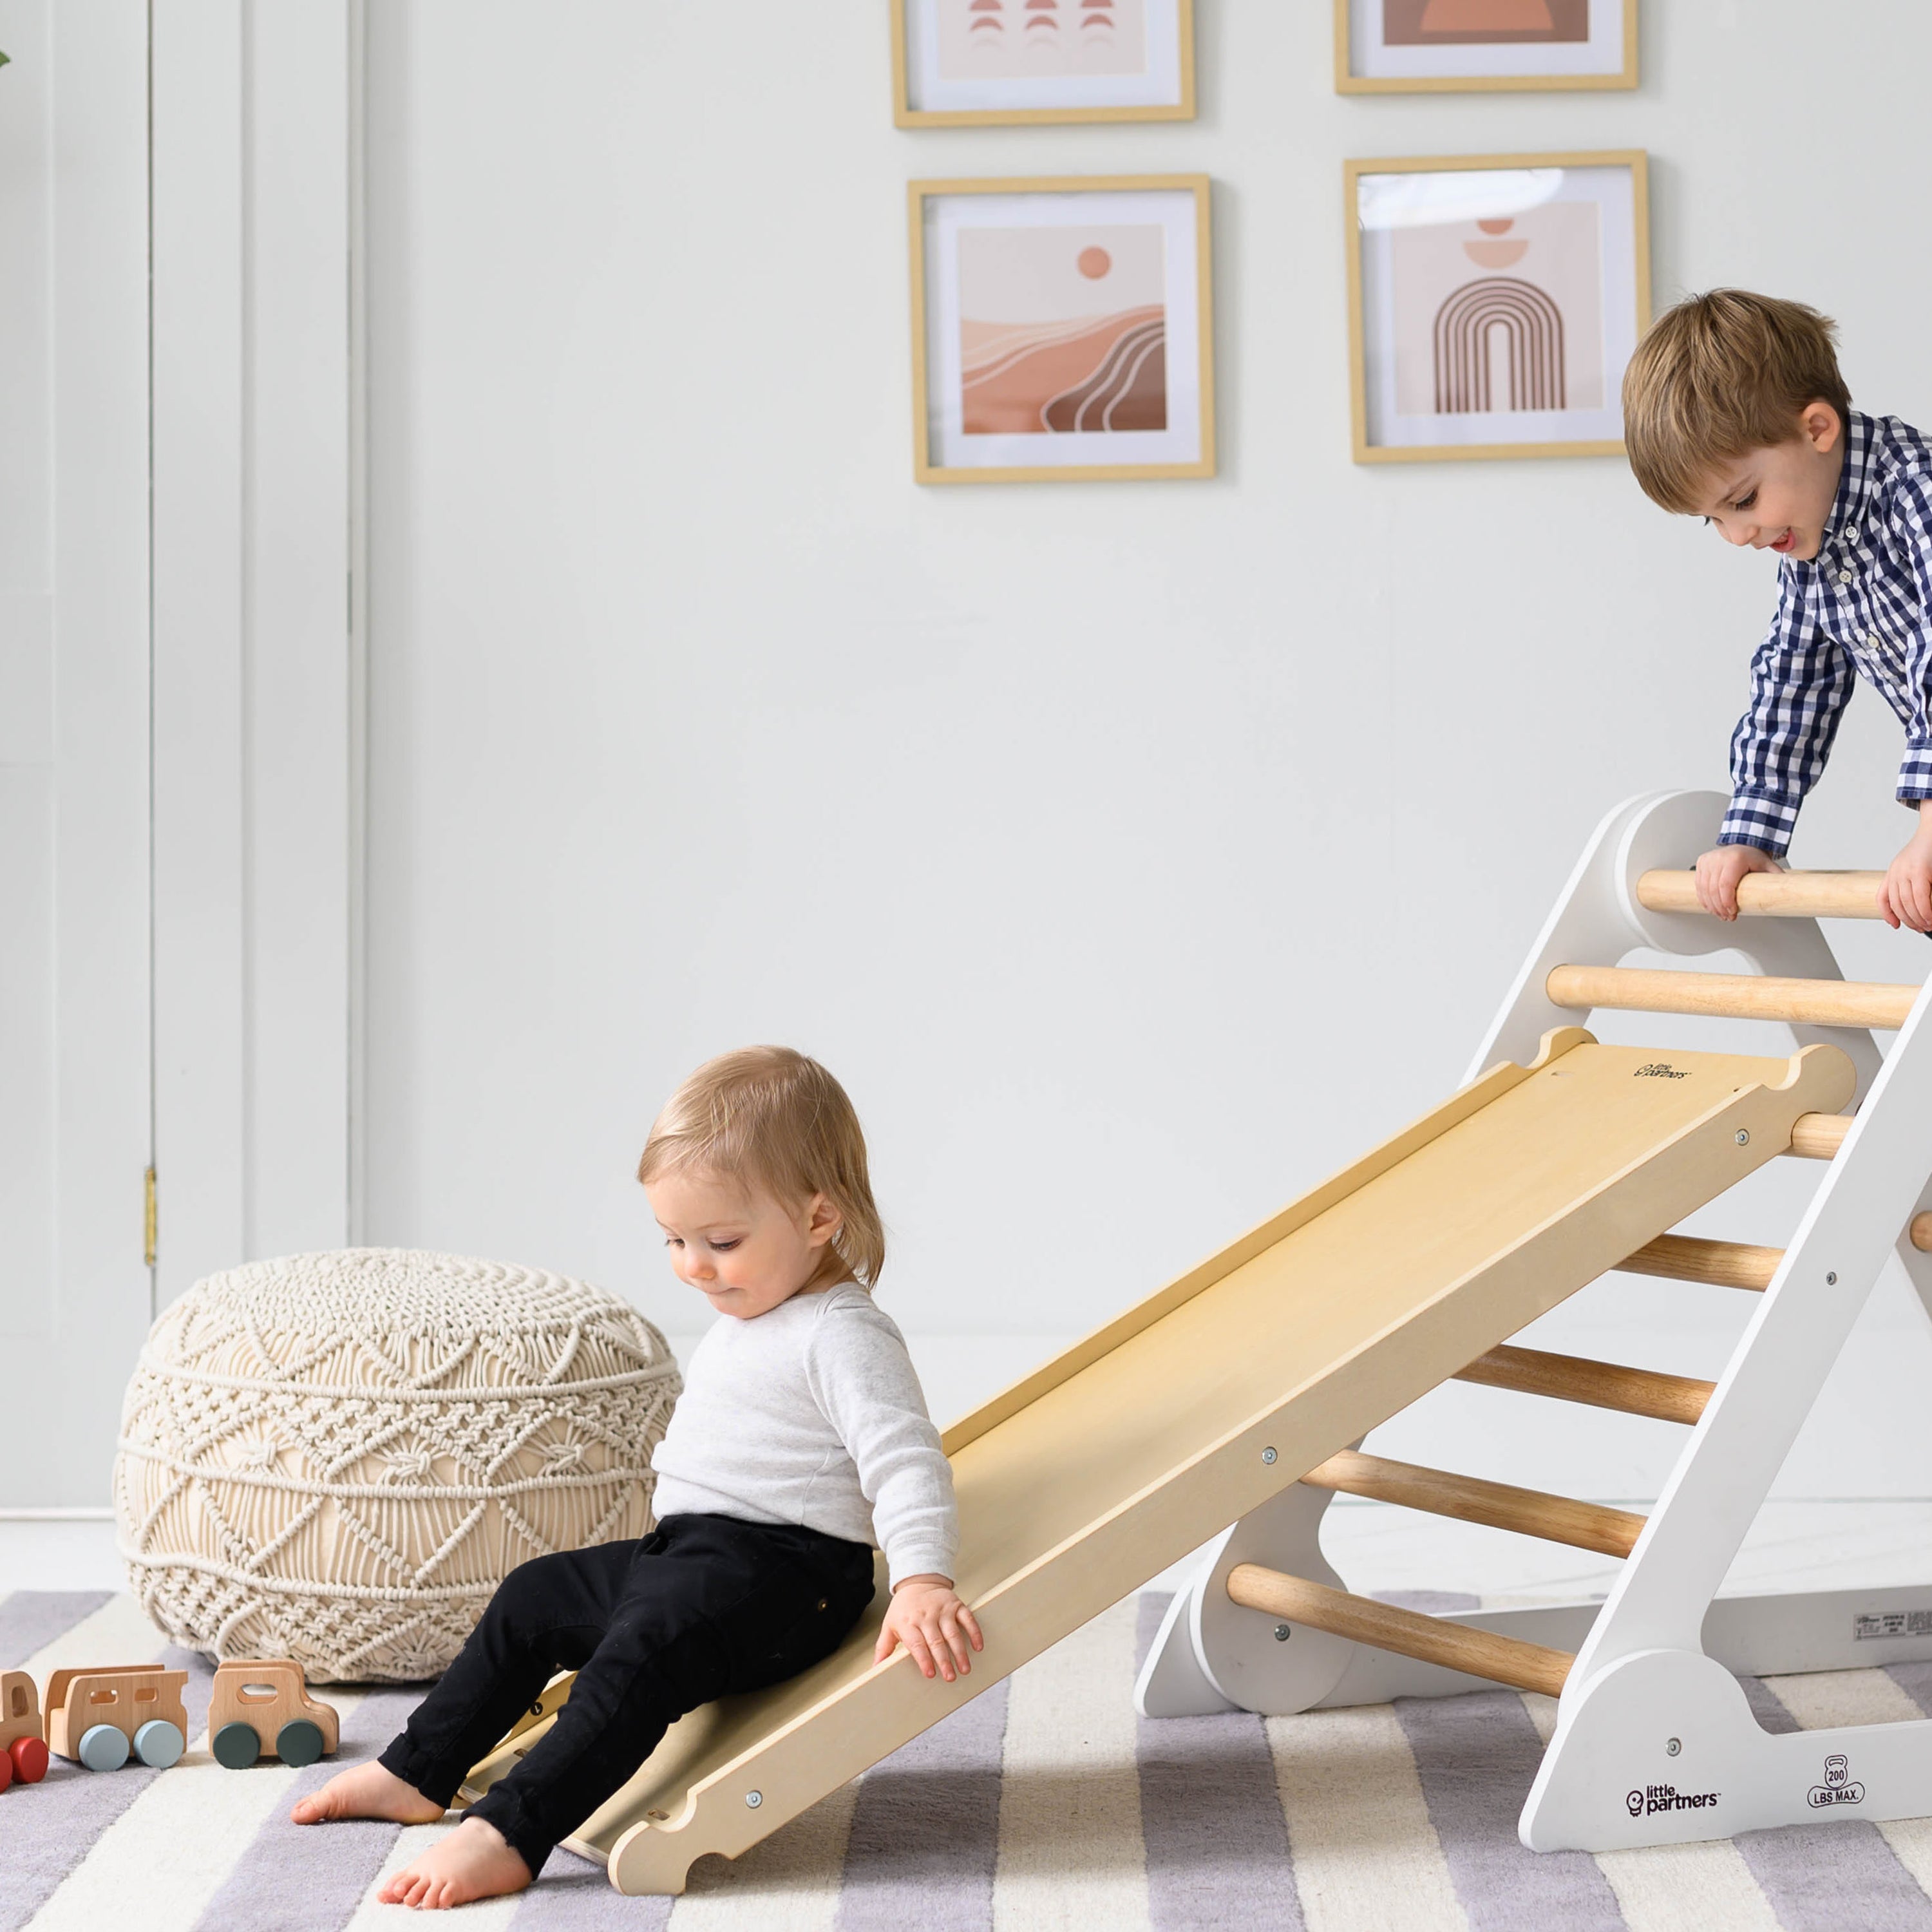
[(1044, 1802)]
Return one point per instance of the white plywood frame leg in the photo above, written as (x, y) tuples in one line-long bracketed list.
[(1654, 1742)]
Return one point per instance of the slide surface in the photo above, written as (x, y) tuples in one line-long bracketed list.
[(1134, 1447)]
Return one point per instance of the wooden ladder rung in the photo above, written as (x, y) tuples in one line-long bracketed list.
[(1691, 1257), (1819, 1136), (1610, 1532), (1738, 996), (1600, 1385), (1773, 894), (1502, 1660)]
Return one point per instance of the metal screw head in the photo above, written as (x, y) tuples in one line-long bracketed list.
[(1743, 1138), (1831, 1280), (1269, 1455), (1672, 1746), (753, 1799), (1283, 1632)]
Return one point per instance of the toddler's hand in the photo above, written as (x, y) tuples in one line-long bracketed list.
[(927, 1617), (1906, 897), (1719, 871)]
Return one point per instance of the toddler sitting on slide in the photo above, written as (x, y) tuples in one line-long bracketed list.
[(801, 1436)]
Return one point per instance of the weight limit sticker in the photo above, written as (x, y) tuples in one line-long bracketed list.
[(1891, 1623)]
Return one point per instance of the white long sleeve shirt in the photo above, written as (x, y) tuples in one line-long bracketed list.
[(810, 1414)]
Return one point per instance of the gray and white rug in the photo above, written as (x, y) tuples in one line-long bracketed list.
[(1044, 1803)]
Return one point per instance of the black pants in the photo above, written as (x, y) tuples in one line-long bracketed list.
[(704, 1606)]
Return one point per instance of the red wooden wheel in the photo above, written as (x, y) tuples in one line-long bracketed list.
[(28, 1757)]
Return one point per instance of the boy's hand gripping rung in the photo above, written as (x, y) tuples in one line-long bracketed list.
[(1773, 894)]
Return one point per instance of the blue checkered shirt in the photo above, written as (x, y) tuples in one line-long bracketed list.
[(1863, 604)]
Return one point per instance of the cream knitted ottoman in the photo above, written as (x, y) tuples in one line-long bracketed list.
[(337, 1457)]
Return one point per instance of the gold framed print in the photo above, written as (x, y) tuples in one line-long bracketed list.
[(1062, 329), (994, 63), (1467, 47), (1494, 301)]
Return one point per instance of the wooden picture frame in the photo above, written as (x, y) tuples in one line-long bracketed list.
[(1591, 344), (1462, 66), (1104, 411), (1166, 83)]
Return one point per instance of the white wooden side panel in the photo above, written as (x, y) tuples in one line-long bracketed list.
[(200, 980), (252, 132), (74, 687)]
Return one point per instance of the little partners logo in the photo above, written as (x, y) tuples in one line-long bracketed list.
[(1655, 1798), (1660, 1069), (1837, 1788)]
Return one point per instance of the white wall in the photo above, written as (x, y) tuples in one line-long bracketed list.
[(1134, 853)]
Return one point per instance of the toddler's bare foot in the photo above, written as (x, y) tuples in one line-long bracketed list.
[(474, 1861), (367, 1791)]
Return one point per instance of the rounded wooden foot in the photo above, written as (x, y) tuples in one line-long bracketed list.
[(102, 1747), (236, 1745)]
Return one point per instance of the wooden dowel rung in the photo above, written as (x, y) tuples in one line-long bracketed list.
[(1610, 1532), (1600, 1385), (1502, 1660), (1819, 1136), (1920, 1233), (1773, 894), (1691, 1257), (1737, 996)]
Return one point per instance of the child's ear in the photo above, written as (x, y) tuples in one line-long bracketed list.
[(822, 1221), (1819, 425)]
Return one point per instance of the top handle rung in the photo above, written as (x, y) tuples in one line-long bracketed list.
[(1773, 894)]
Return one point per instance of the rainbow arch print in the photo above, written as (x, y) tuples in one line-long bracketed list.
[(1533, 329)]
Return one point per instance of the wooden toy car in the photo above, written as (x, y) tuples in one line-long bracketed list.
[(23, 1751), (100, 1715), (258, 1699)]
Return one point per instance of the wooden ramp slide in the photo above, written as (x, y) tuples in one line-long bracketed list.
[(1198, 1405)]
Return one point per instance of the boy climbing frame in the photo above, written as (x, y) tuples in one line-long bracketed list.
[(1654, 1741)]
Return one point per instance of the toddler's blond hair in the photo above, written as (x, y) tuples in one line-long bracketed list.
[(1718, 376), (769, 1116)]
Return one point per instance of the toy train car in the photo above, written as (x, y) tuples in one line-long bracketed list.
[(261, 1707), (23, 1749), (102, 1716)]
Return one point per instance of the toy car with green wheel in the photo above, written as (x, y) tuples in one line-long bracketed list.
[(262, 1709)]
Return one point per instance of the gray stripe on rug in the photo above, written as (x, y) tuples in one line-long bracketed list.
[(30, 1620), (1217, 1851), (46, 1829), (574, 1894), (1915, 1681), (1477, 1756), (303, 1878), (1828, 1877), (926, 1827), (1430, 1602)]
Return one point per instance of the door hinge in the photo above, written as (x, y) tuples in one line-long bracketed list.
[(147, 1220)]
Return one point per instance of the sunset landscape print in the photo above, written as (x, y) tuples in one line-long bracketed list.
[(1062, 331)]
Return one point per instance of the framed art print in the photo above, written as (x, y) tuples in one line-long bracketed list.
[(966, 63), (1061, 328), (1441, 46), (1493, 302)]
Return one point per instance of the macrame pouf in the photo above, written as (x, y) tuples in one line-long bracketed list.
[(337, 1457)]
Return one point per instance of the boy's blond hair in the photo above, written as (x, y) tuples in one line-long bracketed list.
[(1718, 376), (769, 1116)]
